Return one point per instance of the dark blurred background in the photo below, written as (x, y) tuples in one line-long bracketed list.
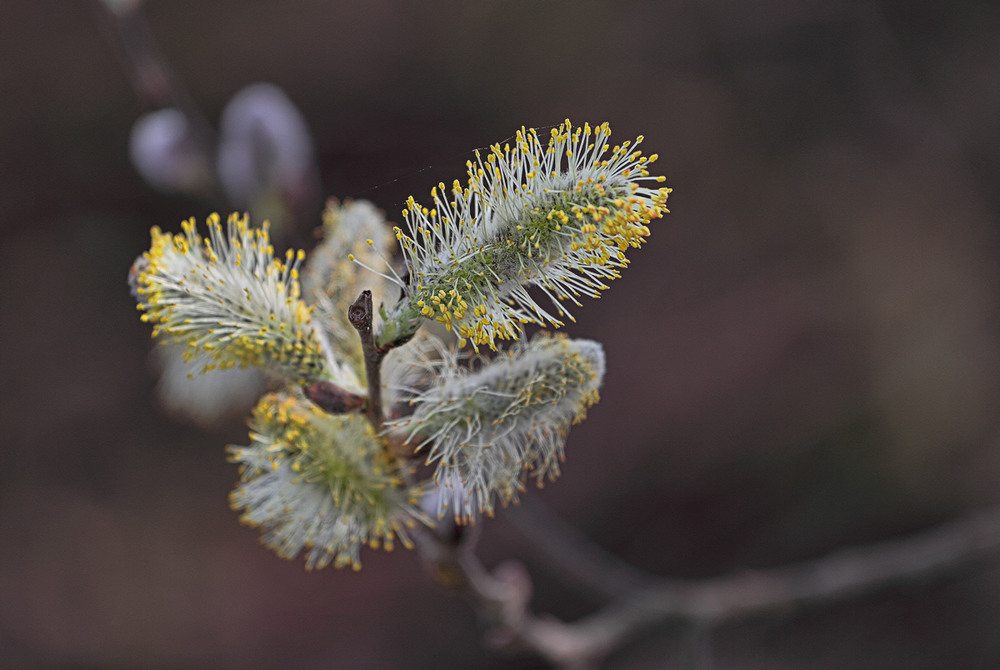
[(804, 356)]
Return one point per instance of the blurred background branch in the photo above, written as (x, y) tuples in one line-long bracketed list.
[(639, 601), (173, 117)]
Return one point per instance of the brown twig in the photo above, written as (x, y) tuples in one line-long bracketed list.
[(503, 596), (360, 316), (334, 399)]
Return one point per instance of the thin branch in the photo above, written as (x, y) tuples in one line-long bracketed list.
[(334, 399), (154, 82), (360, 316), (503, 596), (156, 86), (573, 556), (843, 574)]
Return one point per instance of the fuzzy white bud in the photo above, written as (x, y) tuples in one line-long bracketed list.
[(485, 428)]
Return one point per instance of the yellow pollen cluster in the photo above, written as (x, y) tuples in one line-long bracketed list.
[(557, 215)]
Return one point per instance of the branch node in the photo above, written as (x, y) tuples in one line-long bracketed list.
[(334, 399)]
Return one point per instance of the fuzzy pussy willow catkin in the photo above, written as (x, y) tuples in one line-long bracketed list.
[(321, 484), (488, 427), (226, 296), (558, 215)]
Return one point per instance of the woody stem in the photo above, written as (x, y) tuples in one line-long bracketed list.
[(360, 316)]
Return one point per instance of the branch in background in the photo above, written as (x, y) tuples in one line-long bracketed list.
[(187, 162), (503, 597), (152, 79), (573, 557)]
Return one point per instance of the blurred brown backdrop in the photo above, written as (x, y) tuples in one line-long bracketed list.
[(804, 356)]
